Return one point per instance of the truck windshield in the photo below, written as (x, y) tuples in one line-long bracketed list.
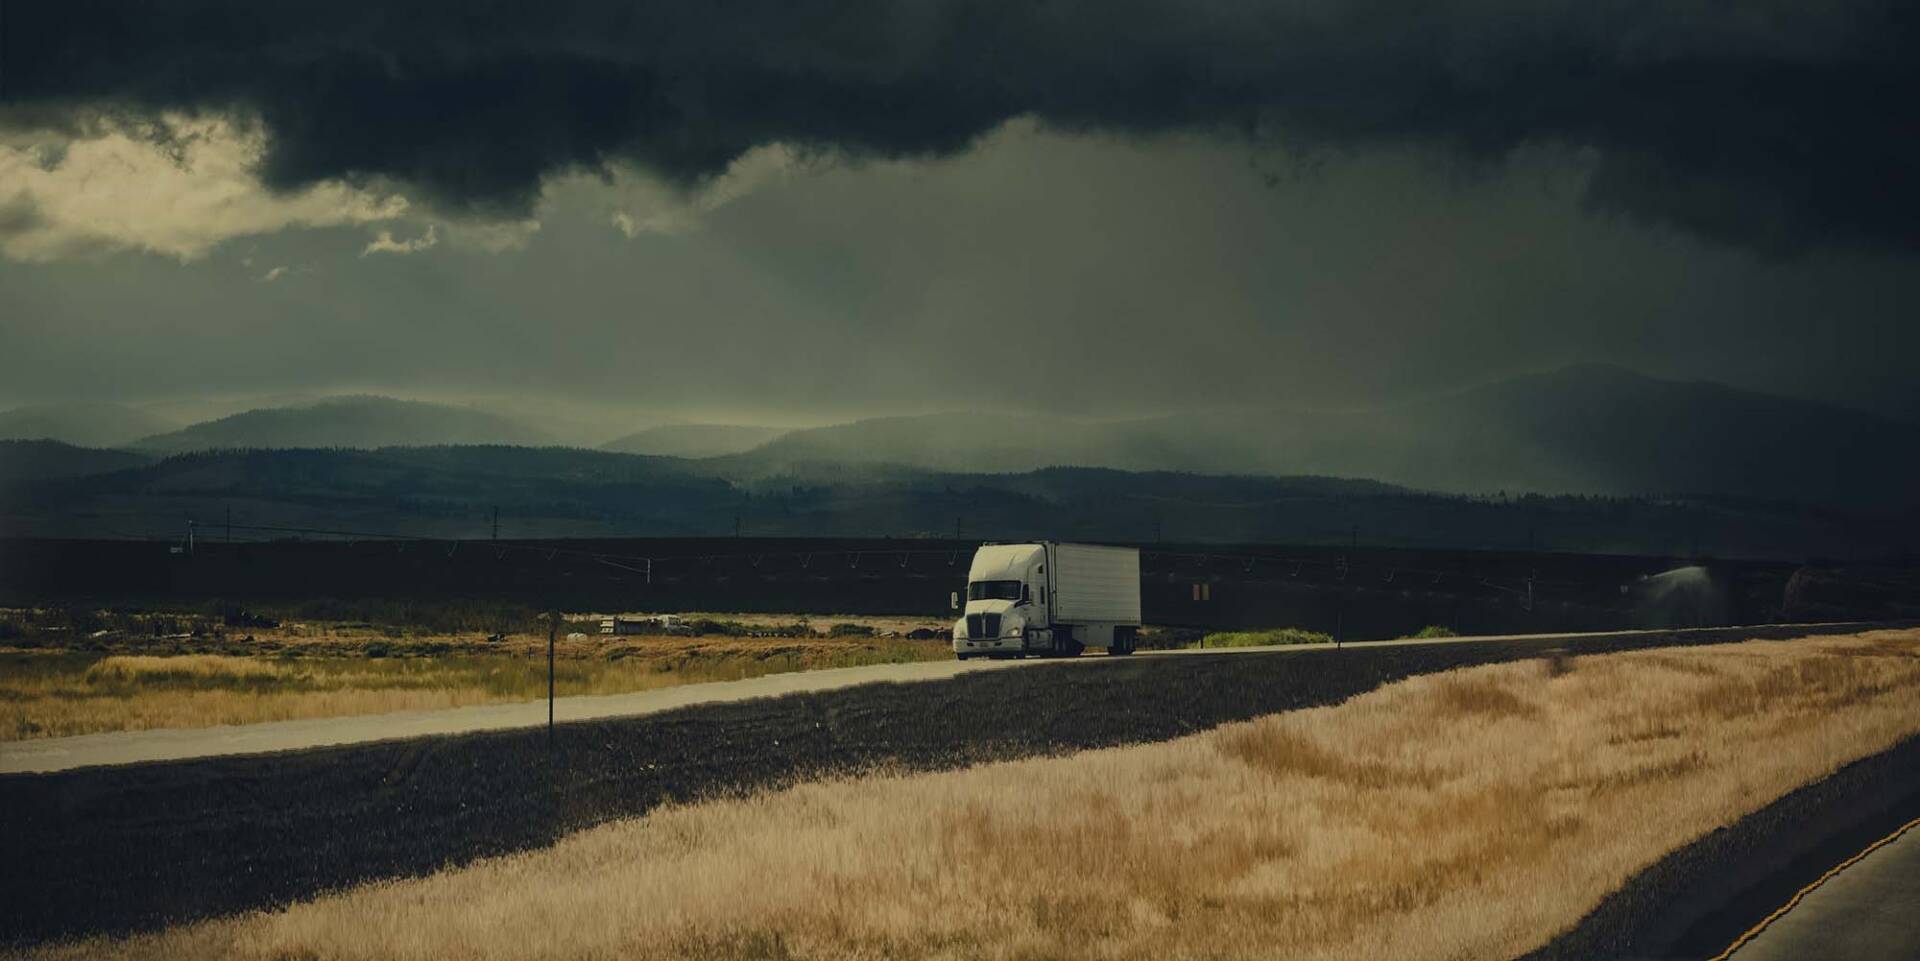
[(993, 591)]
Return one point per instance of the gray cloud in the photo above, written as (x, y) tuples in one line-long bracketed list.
[(19, 215), (1039, 271), (1770, 124), (116, 189), (384, 243)]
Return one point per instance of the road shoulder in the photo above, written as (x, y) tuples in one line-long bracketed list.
[(1697, 900), (1863, 912)]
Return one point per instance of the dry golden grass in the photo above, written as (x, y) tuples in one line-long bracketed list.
[(56, 695), (1459, 816), (148, 669), (174, 633)]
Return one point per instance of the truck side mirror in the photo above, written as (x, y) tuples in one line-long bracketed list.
[(953, 600), (1026, 594)]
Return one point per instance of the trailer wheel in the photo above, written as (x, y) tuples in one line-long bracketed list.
[(1066, 645), (1122, 642)]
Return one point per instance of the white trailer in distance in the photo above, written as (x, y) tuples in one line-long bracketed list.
[(1050, 599)]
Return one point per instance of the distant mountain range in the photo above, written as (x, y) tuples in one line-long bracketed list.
[(1587, 430), (30, 461), (694, 440), (362, 422), (453, 492), (85, 424)]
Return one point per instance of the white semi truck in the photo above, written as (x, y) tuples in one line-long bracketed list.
[(1050, 599)]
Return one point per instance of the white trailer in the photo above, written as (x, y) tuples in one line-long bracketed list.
[(1048, 598)]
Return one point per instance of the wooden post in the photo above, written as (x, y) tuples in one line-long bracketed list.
[(1340, 617), (553, 627)]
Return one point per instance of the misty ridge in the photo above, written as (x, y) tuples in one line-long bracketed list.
[(358, 421), (693, 440), (1586, 429), (1585, 458), (457, 492), (82, 424)]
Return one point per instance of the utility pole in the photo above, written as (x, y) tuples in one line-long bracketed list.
[(496, 523), (1340, 603), (553, 627), (229, 523), (736, 527)]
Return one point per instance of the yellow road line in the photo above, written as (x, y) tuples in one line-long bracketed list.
[(1754, 931)]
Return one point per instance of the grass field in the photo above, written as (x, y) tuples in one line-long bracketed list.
[(1470, 814), (386, 629), (302, 671), (69, 671)]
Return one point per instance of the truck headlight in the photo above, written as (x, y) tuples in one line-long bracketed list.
[(1018, 630)]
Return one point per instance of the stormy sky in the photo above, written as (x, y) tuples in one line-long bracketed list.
[(764, 211)]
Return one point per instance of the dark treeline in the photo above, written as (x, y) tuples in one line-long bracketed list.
[(458, 492)]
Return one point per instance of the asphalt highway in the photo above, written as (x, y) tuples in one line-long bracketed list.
[(1868, 912)]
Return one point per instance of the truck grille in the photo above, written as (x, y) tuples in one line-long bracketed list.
[(981, 627)]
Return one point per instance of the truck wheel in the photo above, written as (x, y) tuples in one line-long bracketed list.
[(1122, 642)]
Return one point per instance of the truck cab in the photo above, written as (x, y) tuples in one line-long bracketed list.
[(1013, 605)]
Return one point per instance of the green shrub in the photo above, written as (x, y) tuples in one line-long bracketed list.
[(850, 630), (1435, 630), (84, 620), (1278, 635), (448, 616), (1169, 638)]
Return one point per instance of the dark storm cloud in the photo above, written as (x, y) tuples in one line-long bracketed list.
[(18, 214), (1770, 124)]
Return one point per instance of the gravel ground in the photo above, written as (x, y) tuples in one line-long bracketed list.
[(140, 846)]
